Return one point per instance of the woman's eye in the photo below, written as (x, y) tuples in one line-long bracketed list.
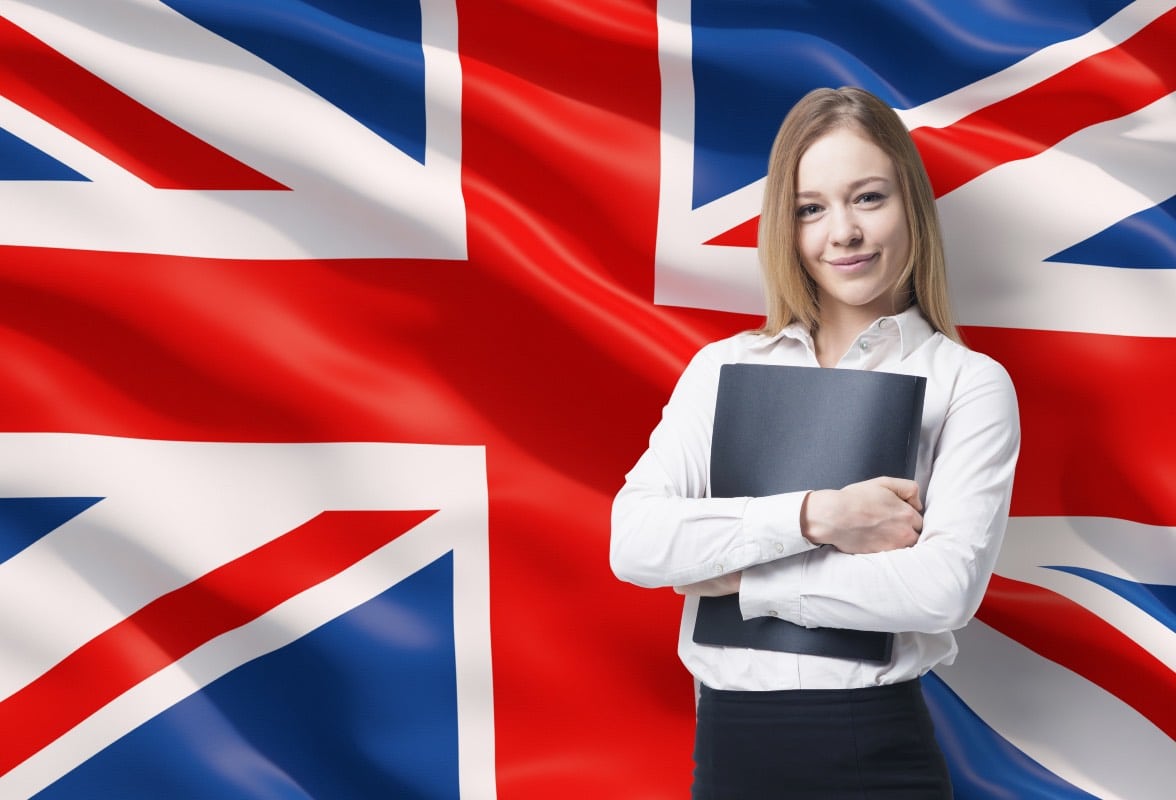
[(871, 198), (807, 210)]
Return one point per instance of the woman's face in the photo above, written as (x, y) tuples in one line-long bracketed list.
[(851, 226)]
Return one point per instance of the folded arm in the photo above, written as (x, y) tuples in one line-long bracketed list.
[(936, 584)]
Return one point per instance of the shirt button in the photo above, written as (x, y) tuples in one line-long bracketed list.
[(882, 323), (718, 568), (773, 613), (864, 345), (779, 547)]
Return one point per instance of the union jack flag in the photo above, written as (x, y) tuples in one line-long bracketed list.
[(329, 330)]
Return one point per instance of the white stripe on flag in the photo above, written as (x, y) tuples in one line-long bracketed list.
[(1033, 69), (1059, 719), (1000, 228), (1119, 548), (188, 507), (353, 195)]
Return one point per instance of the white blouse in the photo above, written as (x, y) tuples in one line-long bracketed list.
[(668, 531)]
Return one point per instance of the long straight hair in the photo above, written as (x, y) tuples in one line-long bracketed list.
[(791, 292)]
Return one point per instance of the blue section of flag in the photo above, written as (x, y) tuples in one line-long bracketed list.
[(365, 58), (984, 765), (24, 520), (1146, 240), (1155, 599), (20, 161), (753, 59), (363, 708)]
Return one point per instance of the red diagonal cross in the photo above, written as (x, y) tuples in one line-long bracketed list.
[(179, 622), (1057, 628), (81, 104)]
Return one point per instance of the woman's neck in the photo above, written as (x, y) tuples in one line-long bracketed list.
[(831, 345), (836, 333)]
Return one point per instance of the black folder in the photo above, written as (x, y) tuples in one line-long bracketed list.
[(782, 429)]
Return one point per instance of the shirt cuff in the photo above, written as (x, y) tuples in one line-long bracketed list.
[(774, 589), (774, 522)]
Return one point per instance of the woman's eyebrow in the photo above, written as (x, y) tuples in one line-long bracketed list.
[(856, 185), (859, 183)]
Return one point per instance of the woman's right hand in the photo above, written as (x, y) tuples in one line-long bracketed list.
[(868, 517)]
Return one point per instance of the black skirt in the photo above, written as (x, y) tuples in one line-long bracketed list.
[(820, 744)]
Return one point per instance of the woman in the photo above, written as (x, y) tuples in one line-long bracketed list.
[(854, 274)]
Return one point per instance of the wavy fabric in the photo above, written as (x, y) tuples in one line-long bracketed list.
[(395, 267)]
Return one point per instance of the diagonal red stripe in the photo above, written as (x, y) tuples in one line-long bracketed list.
[(177, 623), (1105, 86), (745, 234), (1066, 633), (162, 154)]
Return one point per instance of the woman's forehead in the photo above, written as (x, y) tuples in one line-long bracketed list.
[(843, 157)]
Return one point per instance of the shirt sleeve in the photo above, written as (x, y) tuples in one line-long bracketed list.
[(666, 529), (936, 585)]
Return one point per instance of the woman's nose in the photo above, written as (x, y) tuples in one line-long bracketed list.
[(844, 229)]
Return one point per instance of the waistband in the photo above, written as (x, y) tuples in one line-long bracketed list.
[(814, 696)]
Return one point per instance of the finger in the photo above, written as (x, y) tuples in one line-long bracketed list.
[(907, 490), (915, 501)]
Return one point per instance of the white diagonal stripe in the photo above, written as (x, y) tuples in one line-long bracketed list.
[(352, 195), (1060, 720)]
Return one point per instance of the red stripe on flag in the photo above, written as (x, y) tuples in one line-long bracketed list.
[(177, 623), (1097, 437), (1105, 86), (1066, 633), (62, 93), (745, 234)]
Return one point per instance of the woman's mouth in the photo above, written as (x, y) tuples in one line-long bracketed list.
[(851, 263)]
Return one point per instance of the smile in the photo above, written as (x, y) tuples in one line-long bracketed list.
[(852, 263)]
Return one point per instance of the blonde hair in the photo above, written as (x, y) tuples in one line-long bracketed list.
[(791, 292)]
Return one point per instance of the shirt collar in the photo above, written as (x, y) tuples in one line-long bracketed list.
[(913, 331)]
